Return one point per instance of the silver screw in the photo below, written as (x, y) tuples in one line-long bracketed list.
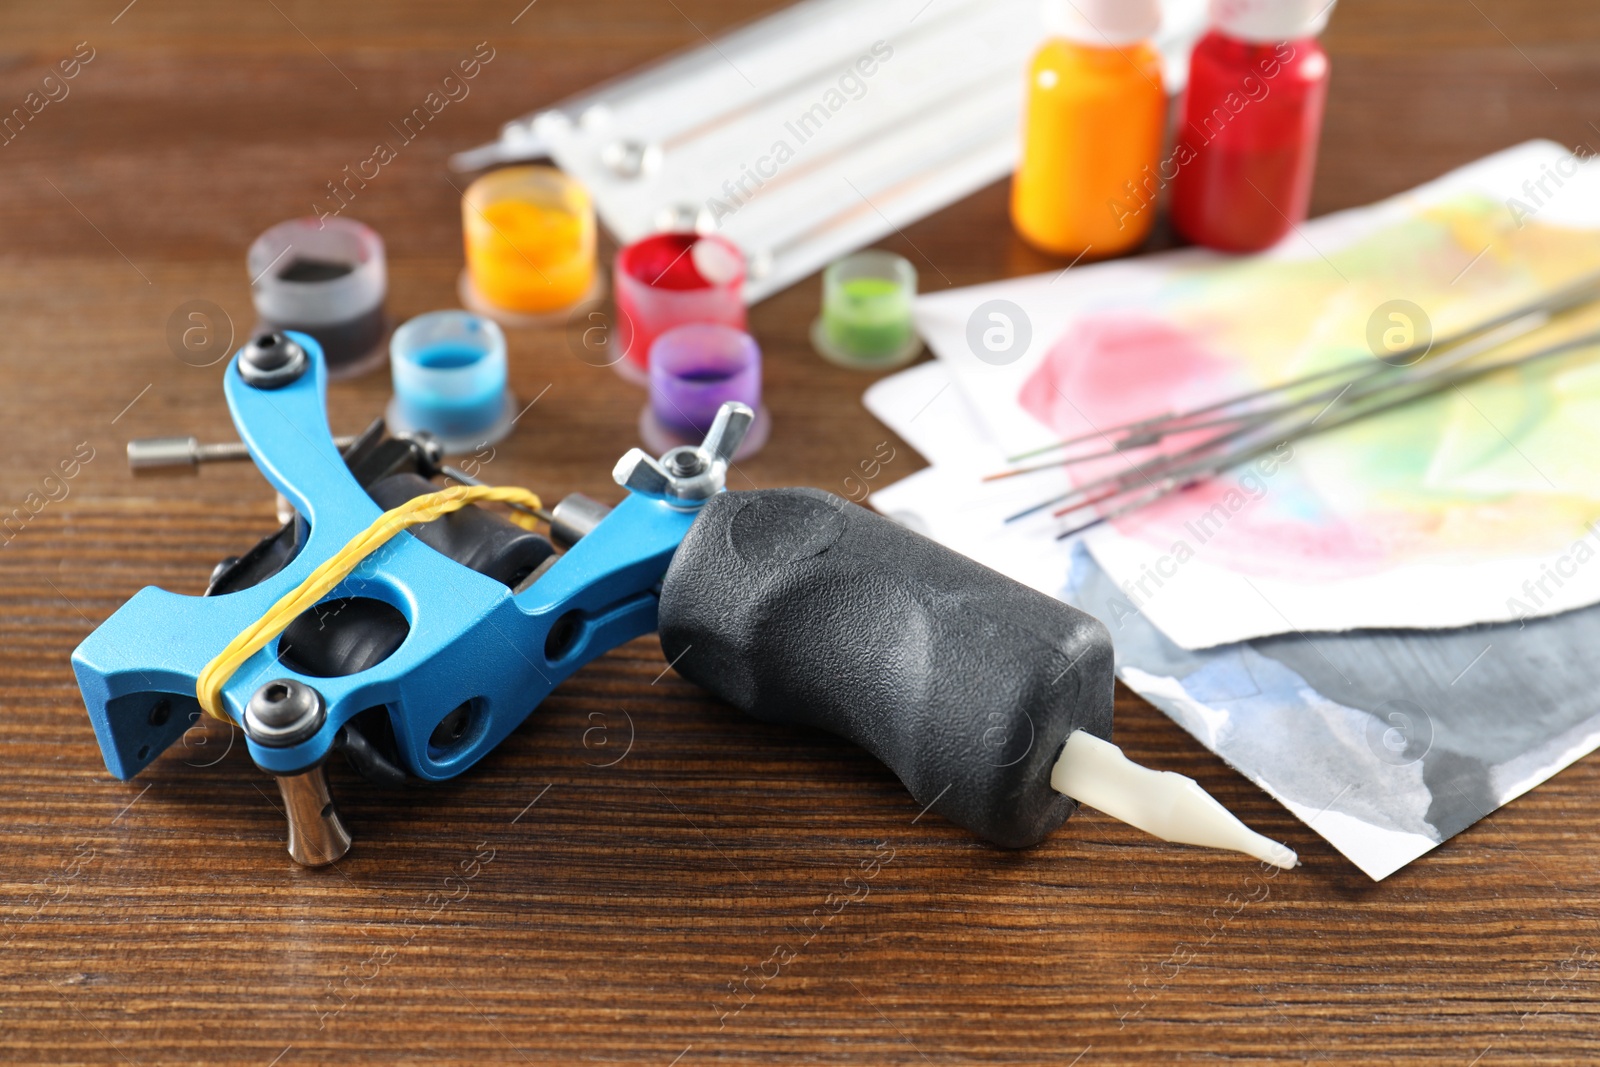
[(272, 361), (688, 475), (284, 713)]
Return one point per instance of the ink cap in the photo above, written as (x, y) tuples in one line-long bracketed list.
[(695, 368), (450, 380), (866, 321), (327, 277), (1269, 21), (1102, 23)]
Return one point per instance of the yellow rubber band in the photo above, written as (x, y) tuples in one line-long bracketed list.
[(414, 512)]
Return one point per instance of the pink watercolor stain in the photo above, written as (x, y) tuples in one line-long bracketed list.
[(1110, 369)]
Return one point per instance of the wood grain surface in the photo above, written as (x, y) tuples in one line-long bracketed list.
[(544, 908)]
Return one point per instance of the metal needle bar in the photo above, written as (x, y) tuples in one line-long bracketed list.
[(1461, 351), (1177, 477), (1368, 385), (1182, 478)]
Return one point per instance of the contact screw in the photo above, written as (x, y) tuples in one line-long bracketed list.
[(220, 452), (165, 453)]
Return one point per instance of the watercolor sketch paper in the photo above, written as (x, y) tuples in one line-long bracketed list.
[(1476, 506), (1385, 742)]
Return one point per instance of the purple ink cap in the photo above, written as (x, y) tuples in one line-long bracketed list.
[(694, 370)]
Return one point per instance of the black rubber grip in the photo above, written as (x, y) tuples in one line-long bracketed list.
[(798, 607)]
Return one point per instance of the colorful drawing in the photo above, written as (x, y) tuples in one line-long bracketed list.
[(1503, 467)]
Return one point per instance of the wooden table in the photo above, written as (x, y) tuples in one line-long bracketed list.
[(543, 907)]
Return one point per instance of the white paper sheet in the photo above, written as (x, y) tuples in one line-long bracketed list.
[(1319, 537)]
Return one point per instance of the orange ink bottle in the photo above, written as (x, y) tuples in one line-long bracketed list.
[(1094, 124)]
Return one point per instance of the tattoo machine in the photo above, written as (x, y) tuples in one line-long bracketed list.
[(412, 629)]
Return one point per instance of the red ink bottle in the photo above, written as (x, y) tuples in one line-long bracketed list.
[(1246, 145)]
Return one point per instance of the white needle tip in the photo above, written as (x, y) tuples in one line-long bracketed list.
[(1168, 805)]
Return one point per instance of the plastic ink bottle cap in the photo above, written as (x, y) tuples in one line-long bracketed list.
[(530, 244), (327, 278), (449, 371), (671, 279), (694, 370), (866, 312), (1265, 21), (1102, 23)]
